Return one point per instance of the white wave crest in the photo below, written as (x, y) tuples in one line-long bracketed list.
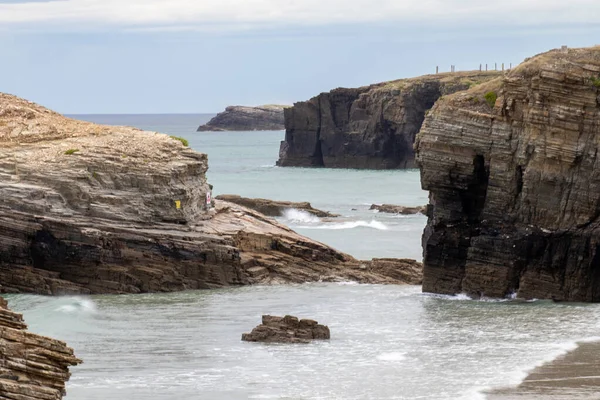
[(351, 225), (300, 217), (77, 305)]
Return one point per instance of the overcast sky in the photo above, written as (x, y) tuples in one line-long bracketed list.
[(153, 56)]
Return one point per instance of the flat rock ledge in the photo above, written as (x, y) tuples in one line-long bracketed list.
[(274, 208), (393, 209), (32, 367), (287, 329)]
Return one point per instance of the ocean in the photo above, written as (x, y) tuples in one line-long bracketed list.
[(388, 342)]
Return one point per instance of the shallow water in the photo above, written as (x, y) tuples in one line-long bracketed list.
[(388, 342)]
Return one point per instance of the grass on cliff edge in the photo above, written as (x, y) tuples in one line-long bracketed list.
[(71, 151), (182, 140), (491, 98)]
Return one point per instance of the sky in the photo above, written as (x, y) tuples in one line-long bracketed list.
[(195, 56)]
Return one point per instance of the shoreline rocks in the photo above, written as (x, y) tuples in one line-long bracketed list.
[(287, 329), (125, 213), (274, 208), (32, 367), (393, 209), (371, 127), (511, 168), (241, 118)]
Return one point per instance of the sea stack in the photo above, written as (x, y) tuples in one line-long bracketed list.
[(514, 179), (241, 118), (371, 127)]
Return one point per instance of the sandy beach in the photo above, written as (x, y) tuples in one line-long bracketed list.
[(576, 375)]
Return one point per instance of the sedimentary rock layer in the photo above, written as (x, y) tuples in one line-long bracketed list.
[(86, 208), (240, 118), (32, 367), (513, 174), (287, 329), (368, 127), (274, 208)]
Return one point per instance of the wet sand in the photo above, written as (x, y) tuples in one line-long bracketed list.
[(574, 376)]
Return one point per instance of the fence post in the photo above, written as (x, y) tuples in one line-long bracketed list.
[(437, 69), (502, 67), (486, 67), (495, 66)]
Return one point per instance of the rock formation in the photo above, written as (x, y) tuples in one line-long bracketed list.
[(32, 367), (287, 330), (240, 118), (86, 208), (513, 172), (369, 127), (393, 209), (274, 208)]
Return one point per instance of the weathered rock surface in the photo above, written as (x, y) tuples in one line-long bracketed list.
[(32, 367), (514, 186), (240, 118), (274, 208), (371, 127), (287, 329), (125, 214), (393, 209)]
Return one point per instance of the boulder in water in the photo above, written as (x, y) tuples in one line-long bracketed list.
[(287, 329)]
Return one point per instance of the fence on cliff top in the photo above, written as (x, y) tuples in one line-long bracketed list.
[(482, 67)]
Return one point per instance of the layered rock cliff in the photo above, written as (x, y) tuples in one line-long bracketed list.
[(32, 367), (86, 208), (513, 172), (240, 118), (369, 127)]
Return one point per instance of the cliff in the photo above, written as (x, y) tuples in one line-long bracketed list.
[(371, 127), (240, 118), (86, 208), (32, 367), (513, 174)]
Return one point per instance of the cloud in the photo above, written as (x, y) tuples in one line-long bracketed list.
[(261, 14)]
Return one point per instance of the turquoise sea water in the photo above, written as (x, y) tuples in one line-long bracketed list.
[(388, 342)]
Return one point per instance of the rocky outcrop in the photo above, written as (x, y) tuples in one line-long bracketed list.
[(513, 175), (240, 118), (274, 208), (32, 367), (86, 208), (393, 209), (287, 329), (369, 127)]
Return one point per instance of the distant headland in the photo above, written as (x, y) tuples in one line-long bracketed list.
[(241, 118)]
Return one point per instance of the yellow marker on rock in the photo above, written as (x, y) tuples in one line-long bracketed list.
[(178, 204)]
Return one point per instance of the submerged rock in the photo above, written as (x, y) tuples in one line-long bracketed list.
[(371, 127), (32, 367), (86, 208), (274, 208), (240, 118), (287, 329), (393, 209), (513, 175)]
